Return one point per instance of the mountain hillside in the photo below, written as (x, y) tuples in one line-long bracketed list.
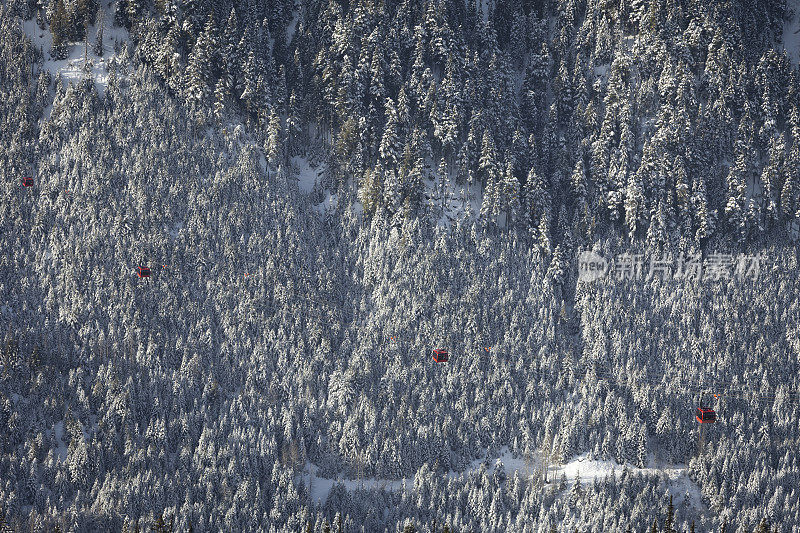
[(324, 192)]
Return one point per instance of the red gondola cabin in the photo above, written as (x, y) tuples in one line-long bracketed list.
[(144, 272), (27, 182), (705, 415), (440, 356)]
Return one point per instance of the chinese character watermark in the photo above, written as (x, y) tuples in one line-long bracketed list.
[(628, 266), (716, 266)]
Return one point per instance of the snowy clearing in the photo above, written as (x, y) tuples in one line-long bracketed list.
[(329, 202), (449, 200), (292, 28), (174, 229), (601, 71), (306, 175), (791, 32), (320, 487), (589, 469), (675, 476), (61, 448), (72, 68)]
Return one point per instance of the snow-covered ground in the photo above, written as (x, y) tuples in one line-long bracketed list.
[(61, 447), (292, 28), (448, 200), (174, 229), (675, 476), (791, 32), (330, 201), (72, 69), (306, 175), (794, 227), (601, 71), (321, 487)]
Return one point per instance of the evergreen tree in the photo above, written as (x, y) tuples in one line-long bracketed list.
[(488, 159), (133, 9), (390, 141), (272, 143), (577, 490), (98, 40), (201, 67), (59, 27), (370, 192), (669, 521)]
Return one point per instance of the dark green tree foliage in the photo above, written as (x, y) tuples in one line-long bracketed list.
[(163, 526), (60, 27), (121, 18), (763, 526), (98, 48), (669, 521)]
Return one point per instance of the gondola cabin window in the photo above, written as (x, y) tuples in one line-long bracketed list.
[(705, 415), (440, 356)]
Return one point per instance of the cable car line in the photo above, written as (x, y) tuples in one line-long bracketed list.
[(735, 392), (720, 390)]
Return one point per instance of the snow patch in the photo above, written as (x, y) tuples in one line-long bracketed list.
[(292, 28), (306, 175), (72, 69), (61, 448), (320, 487), (600, 71), (448, 200), (794, 227), (484, 9), (174, 229), (330, 202), (791, 32), (510, 463), (675, 476)]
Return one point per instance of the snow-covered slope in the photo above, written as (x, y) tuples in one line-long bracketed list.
[(791, 32), (447, 199), (73, 68), (675, 477), (307, 176)]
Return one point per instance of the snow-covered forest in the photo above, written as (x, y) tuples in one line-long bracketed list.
[(325, 191)]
